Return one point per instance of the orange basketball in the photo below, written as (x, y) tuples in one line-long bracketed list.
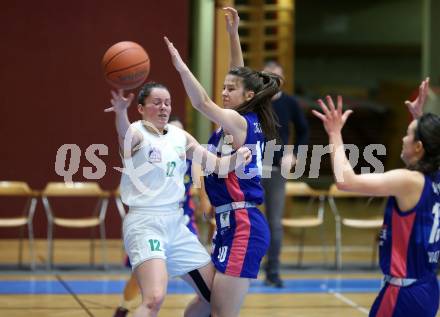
[(126, 65)]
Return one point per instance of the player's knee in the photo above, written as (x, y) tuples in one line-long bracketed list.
[(154, 301)]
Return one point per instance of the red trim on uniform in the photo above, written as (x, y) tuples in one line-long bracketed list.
[(388, 302), (191, 204), (402, 228), (239, 243), (233, 187)]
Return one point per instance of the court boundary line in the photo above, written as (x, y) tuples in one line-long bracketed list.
[(68, 289), (349, 302)]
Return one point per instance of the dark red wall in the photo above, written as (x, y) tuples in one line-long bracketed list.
[(53, 91)]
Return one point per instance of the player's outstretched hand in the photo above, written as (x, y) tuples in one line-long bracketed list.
[(332, 117), (119, 101), (232, 20), (178, 63), (416, 106)]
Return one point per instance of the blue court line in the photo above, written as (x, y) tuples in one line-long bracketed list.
[(179, 287)]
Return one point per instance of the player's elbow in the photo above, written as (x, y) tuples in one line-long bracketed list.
[(342, 185), (350, 183)]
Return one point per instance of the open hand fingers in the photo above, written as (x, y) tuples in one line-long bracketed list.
[(231, 11), (424, 90), (346, 115), (130, 97), (170, 46), (114, 94), (173, 51), (330, 103), (340, 104), (228, 19), (323, 107), (319, 115), (167, 41)]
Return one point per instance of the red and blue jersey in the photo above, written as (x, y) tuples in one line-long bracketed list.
[(410, 241), (235, 187)]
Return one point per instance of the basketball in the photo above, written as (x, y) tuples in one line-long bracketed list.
[(126, 65)]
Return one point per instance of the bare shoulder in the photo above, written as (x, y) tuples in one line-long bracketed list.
[(189, 138), (132, 142), (413, 179), (410, 190)]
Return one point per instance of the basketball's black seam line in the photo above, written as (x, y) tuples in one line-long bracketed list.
[(121, 69), (117, 54)]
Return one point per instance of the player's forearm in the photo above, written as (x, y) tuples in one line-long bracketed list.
[(196, 93), (122, 124), (342, 169), (235, 51), (210, 163)]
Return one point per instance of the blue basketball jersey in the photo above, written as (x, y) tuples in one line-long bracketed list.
[(188, 203), (235, 187), (410, 241), (187, 182)]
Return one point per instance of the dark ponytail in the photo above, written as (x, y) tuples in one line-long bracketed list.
[(265, 85), (428, 132)]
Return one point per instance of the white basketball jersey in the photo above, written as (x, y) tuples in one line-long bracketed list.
[(153, 176)]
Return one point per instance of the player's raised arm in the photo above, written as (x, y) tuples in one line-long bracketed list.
[(232, 22), (120, 104)]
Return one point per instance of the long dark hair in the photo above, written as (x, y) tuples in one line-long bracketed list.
[(146, 91), (265, 86), (428, 132)]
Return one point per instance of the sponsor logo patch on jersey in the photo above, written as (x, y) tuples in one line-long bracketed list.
[(154, 155), (224, 219)]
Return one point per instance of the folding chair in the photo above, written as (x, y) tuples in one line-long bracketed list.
[(371, 222), (24, 218), (315, 217), (96, 217), (122, 213)]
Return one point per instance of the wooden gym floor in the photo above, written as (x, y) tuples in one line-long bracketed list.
[(313, 289), (75, 290)]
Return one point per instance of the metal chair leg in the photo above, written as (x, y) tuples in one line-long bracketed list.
[(324, 245), (301, 247), (322, 229), (20, 247), (31, 246), (50, 225), (338, 243), (103, 245), (49, 261), (31, 233), (92, 247)]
